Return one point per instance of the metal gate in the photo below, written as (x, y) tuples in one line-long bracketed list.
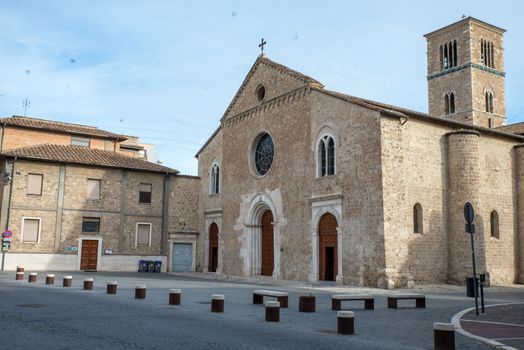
[(182, 257)]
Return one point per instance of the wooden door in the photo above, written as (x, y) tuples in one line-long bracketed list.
[(267, 244), (89, 258), (327, 248), (213, 248)]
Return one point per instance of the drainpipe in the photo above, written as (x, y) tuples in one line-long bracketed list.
[(8, 207)]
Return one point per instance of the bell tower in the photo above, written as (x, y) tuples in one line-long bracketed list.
[(466, 73)]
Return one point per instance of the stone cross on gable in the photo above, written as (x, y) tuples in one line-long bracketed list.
[(261, 45)]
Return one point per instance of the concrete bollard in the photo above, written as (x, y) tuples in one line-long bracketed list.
[(32, 277), (50, 279), (88, 283), (19, 276), (174, 296), (111, 287), (217, 303), (345, 322), (272, 311), (68, 281), (140, 291), (444, 336), (19, 269)]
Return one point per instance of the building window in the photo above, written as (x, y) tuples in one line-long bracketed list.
[(418, 223), (91, 225), (261, 93), (79, 141), (494, 219), (448, 55), (34, 184), (487, 53), (263, 153), (143, 234), (93, 189), (449, 103), (215, 179), (488, 96), (326, 156), (30, 230), (144, 195)]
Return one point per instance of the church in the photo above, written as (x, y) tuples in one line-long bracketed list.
[(302, 183)]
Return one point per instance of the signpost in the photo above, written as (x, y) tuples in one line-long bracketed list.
[(6, 244), (469, 215)]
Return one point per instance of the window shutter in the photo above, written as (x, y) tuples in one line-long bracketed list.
[(30, 233), (93, 189), (34, 184), (143, 234)]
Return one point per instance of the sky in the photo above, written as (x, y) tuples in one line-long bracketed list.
[(165, 71)]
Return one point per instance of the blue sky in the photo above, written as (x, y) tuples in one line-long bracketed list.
[(166, 70)]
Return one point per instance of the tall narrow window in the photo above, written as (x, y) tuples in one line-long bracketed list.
[(34, 184), (455, 56), (446, 104), (487, 53), (446, 60), (215, 179), (494, 219), (488, 96), (93, 189), (482, 52), (143, 234), (449, 103), (441, 57), (326, 156), (417, 219), (30, 230), (144, 195)]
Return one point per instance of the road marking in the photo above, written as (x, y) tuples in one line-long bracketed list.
[(508, 338), (491, 322), (456, 322)]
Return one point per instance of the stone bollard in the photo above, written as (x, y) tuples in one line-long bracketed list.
[(272, 311), (32, 277), (19, 276), (68, 281), (140, 291), (175, 296), (111, 287), (88, 283), (19, 269), (444, 336), (50, 279), (217, 303), (345, 322)]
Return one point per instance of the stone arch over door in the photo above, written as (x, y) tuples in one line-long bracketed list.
[(213, 248), (327, 248), (213, 221)]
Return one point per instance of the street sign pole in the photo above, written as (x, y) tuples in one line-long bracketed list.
[(469, 215), (475, 285), (3, 255)]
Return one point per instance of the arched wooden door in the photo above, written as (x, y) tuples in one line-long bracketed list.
[(327, 245), (213, 248), (266, 223)]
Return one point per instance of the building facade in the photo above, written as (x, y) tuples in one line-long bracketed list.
[(300, 182)]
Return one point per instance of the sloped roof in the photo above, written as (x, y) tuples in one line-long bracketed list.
[(49, 125), (517, 128), (85, 156)]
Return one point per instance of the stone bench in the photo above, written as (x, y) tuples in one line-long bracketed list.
[(420, 300), (258, 297), (336, 300)]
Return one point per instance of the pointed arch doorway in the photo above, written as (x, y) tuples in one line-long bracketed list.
[(213, 248), (267, 244), (327, 248)]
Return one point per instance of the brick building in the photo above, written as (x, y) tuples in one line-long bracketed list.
[(300, 182), (75, 201)]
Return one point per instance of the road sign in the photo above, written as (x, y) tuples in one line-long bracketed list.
[(469, 213), (7, 234)]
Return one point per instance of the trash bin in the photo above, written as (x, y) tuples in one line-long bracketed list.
[(158, 266), (142, 266), (150, 266), (470, 287)]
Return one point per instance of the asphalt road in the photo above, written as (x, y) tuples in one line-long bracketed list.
[(53, 317)]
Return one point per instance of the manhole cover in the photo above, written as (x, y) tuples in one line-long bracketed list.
[(35, 306)]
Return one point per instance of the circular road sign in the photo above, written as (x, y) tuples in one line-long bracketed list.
[(7, 234)]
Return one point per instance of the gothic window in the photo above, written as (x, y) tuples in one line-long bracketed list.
[(448, 55), (494, 219), (214, 180), (487, 53), (263, 154), (488, 96), (326, 156), (417, 219), (449, 103)]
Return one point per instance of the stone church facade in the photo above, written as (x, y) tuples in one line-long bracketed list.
[(302, 183)]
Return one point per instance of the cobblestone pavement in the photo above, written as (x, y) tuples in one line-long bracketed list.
[(52, 317)]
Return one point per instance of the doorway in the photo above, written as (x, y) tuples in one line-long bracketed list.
[(267, 246), (89, 255), (327, 236), (213, 248)]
